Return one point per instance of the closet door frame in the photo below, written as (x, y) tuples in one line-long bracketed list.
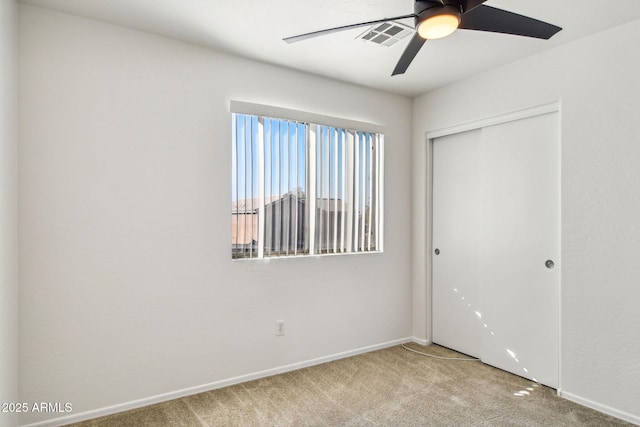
[(430, 137)]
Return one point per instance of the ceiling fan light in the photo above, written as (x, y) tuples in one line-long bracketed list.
[(438, 26)]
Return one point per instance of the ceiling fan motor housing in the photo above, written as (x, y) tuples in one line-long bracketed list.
[(425, 9)]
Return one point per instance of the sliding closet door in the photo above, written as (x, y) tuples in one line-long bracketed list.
[(496, 234), (456, 227), (520, 234)]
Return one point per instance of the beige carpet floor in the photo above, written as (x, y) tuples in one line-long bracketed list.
[(390, 387)]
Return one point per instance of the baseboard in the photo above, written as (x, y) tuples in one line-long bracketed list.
[(110, 410), (625, 416), (420, 341)]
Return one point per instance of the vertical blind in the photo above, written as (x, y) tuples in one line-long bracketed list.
[(304, 189)]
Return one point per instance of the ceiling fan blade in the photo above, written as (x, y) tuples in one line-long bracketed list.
[(487, 18), (306, 36), (409, 53), (467, 5)]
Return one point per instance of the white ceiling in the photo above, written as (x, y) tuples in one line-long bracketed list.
[(255, 28)]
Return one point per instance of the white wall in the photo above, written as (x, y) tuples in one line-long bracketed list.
[(127, 288), (8, 210), (597, 81)]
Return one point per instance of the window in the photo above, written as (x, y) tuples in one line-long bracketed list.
[(301, 188)]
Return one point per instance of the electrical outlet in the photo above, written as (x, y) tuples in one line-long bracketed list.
[(279, 327)]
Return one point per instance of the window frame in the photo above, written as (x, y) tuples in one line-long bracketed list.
[(313, 124)]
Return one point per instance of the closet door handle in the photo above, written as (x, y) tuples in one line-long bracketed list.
[(437, 251), (550, 264)]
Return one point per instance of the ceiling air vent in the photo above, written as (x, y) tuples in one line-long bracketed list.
[(387, 33)]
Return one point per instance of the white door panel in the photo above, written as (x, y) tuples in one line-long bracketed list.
[(521, 229), (455, 210)]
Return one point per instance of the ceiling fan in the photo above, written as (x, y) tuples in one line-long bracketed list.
[(436, 19)]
